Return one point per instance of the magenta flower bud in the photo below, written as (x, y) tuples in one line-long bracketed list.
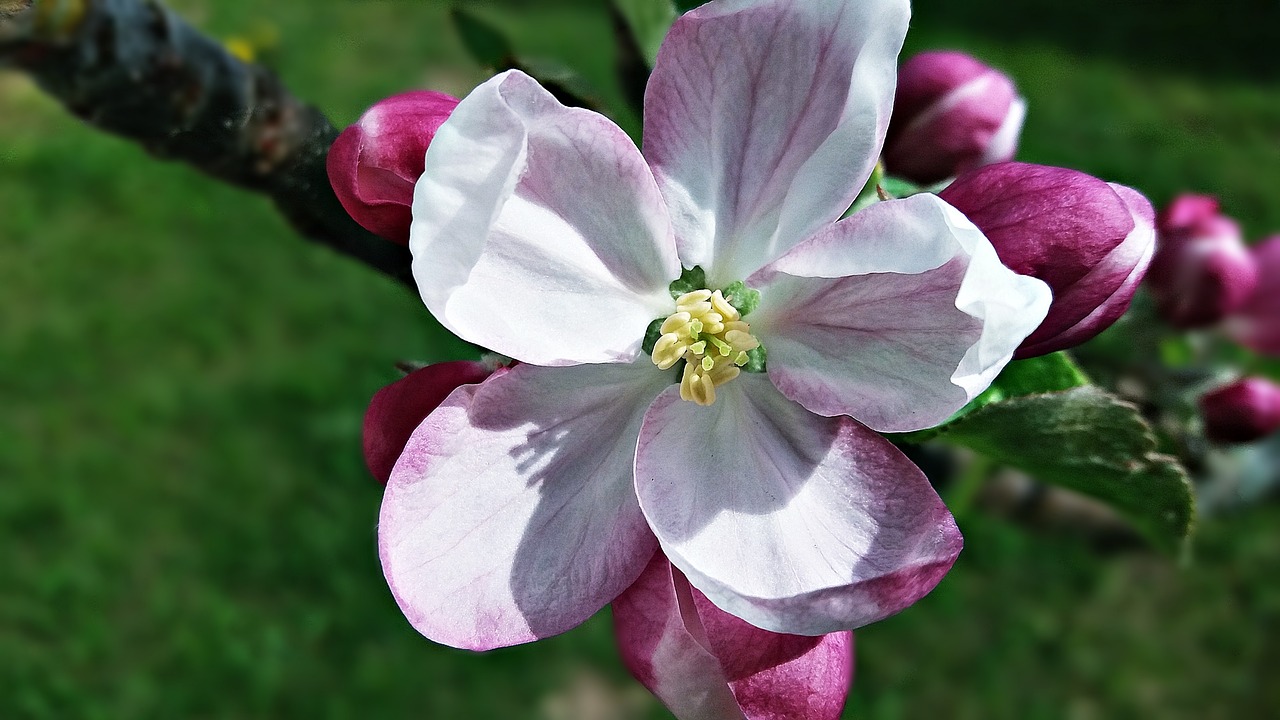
[(1089, 240), (1241, 412), (1202, 270), (399, 408), (951, 114), (1256, 324), (374, 163)]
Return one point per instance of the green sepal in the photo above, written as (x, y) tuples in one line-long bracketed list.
[(694, 278), (651, 335), (756, 360), (742, 298)]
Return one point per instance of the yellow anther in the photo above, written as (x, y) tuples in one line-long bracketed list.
[(710, 336), (722, 306)]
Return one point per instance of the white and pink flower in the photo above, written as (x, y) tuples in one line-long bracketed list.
[(526, 502)]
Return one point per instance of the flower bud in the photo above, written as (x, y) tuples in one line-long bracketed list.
[(951, 114), (1256, 324), (1202, 270), (1241, 412), (374, 164), (1089, 240), (399, 408)]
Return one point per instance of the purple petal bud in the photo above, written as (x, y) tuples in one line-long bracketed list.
[(1202, 270), (374, 164), (1241, 412), (1089, 240), (1256, 324), (951, 114), (399, 408)]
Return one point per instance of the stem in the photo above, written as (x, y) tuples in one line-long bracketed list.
[(134, 69), (967, 486)]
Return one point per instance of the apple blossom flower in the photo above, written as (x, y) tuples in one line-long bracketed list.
[(951, 114), (705, 664), (1241, 412), (1202, 270), (374, 163), (1256, 324), (1090, 240), (524, 504)]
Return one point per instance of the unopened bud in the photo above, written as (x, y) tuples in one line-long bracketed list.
[(1241, 412), (1089, 240), (951, 114), (1256, 324), (1202, 270), (374, 164)]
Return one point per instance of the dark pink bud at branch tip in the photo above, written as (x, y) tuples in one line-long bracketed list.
[(374, 164), (1089, 240), (399, 408), (1256, 324), (1202, 270), (951, 114), (1241, 412)]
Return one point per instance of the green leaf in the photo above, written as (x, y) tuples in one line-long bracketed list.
[(562, 81), (694, 278), (685, 6), (486, 44), (1044, 374), (1090, 441), (648, 21)]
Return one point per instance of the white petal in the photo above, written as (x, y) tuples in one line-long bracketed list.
[(539, 231), (764, 118), (897, 316), (793, 522), (511, 514)]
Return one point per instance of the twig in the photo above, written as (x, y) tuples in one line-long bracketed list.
[(134, 69)]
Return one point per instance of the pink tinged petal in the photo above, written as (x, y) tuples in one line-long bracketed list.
[(764, 118), (397, 409), (705, 664), (374, 163), (511, 515), (897, 316), (539, 231), (793, 522), (1257, 324)]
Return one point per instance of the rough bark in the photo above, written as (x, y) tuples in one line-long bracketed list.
[(135, 69)]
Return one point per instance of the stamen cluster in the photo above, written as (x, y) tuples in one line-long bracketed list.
[(711, 337)]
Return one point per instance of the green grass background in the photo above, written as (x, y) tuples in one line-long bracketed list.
[(188, 529)]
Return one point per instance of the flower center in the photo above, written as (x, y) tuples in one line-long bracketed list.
[(711, 337)]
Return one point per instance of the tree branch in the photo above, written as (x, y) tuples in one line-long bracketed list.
[(133, 68)]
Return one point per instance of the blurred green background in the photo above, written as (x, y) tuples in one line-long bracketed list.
[(187, 523)]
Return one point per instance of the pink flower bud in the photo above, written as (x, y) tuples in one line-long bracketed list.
[(374, 164), (1243, 411), (1202, 270), (399, 408), (1090, 240), (1256, 324), (951, 114)]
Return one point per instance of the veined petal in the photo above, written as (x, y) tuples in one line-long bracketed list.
[(764, 118), (897, 316), (539, 231), (511, 514), (794, 522), (705, 664)]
